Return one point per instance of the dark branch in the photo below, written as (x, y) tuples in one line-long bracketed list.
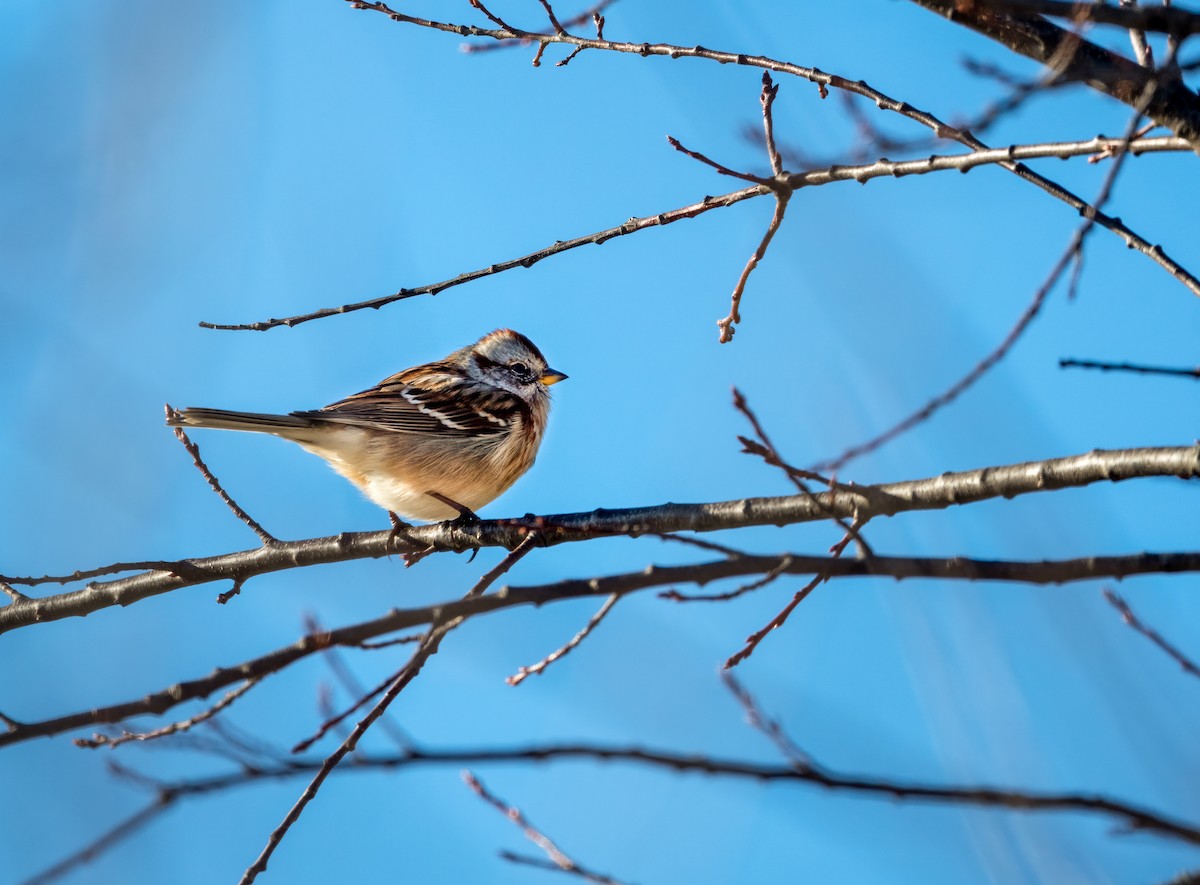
[(1137, 368), (956, 568)]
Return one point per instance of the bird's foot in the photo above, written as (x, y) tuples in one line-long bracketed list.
[(397, 532), (466, 516)]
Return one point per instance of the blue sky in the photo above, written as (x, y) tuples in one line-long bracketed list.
[(167, 164)]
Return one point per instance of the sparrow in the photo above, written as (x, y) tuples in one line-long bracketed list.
[(432, 442)]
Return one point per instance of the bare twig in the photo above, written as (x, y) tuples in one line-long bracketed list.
[(534, 835), (355, 688), (1137, 39), (429, 646), (770, 577), (116, 834), (519, 677), (101, 740), (753, 640), (332, 722), (726, 323), (1153, 635), (822, 79), (1137, 368), (194, 450), (400, 640), (558, 28), (591, 13), (774, 732), (708, 161), (1072, 253), (814, 178), (766, 450), (779, 187)]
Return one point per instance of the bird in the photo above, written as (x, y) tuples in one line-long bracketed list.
[(433, 442)]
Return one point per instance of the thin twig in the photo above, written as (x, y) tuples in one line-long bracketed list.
[(101, 740), (354, 687), (753, 640), (428, 647), (1137, 39), (766, 450), (1153, 635), (782, 194), (534, 835), (770, 577), (12, 592), (814, 178), (536, 669), (1137, 368), (119, 832), (1072, 253), (387, 643), (710, 162), (774, 732), (334, 721), (726, 323), (194, 450), (558, 28), (591, 13)]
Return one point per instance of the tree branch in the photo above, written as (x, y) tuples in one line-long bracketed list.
[(814, 75), (954, 568), (845, 502), (1125, 813), (1174, 105)]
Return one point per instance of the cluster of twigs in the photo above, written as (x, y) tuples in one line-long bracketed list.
[(1154, 92)]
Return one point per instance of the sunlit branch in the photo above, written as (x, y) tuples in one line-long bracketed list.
[(844, 502)]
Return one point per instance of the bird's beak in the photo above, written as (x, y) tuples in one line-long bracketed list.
[(552, 377)]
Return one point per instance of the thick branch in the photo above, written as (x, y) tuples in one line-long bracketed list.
[(846, 502), (1162, 19), (958, 568), (1174, 105)]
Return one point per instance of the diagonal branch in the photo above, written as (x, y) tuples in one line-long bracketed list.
[(1174, 105), (557, 857), (593, 622), (1127, 615), (194, 450), (428, 648), (1073, 252)]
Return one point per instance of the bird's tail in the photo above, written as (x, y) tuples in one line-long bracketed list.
[(220, 419)]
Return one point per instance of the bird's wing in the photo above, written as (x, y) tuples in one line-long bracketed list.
[(396, 406)]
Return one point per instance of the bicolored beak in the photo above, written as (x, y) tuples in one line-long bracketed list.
[(552, 377)]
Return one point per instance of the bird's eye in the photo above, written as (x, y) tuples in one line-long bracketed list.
[(520, 370)]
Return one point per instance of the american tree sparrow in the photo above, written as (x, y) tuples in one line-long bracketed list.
[(431, 442)]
